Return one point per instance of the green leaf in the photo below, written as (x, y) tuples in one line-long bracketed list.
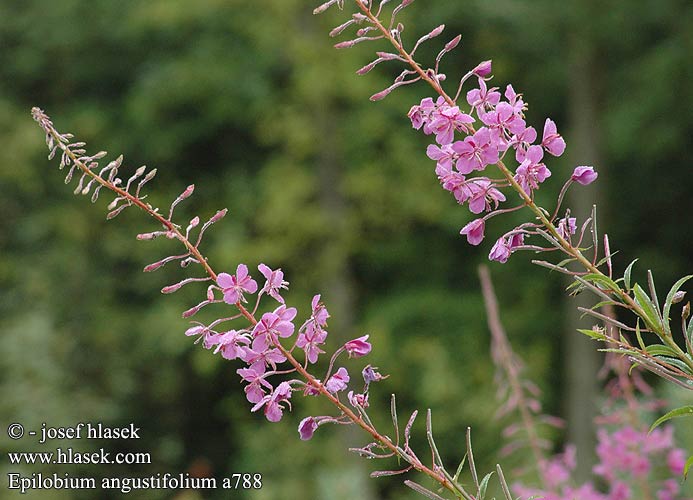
[(594, 334), (459, 468), (566, 261), (626, 275), (600, 279), (653, 291), (686, 467), (595, 289), (484, 485), (651, 314), (670, 299), (637, 334), (684, 411), (604, 259), (660, 350), (675, 362), (603, 303)]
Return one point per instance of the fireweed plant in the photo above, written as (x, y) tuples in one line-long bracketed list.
[(478, 137), (480, 134)]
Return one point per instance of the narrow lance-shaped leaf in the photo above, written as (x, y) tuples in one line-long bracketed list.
[(651, 314), (684, 411), (670, 300), (627, 274)]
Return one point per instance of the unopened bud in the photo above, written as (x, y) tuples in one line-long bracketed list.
[(345, 45), (436, 31), (188, 191), (139, 171), (367, 67), (192, 311), (154, 266), (678, 297), (219, 215), (149, 176), (453, 43), (386, 56), (381, 95), (172, 288), (483, 69)]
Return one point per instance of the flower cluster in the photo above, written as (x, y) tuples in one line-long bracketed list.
[(259, 346), (461, 163)]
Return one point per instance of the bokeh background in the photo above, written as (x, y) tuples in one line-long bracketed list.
[(249, 101)]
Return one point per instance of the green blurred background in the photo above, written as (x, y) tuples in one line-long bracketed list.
[(249, 101)]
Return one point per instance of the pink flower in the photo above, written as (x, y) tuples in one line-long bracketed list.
[(232, 345), (272, 325), (500, 251), (516, 240), (531, 172), (259, 360), (670, 488), (566, 226), (233, 286), (676, 460), (275, 282), (447, 120), (474, 231), (312, 333), (273, 402), (307, 428), (370, 374), (522, 141), (482, 194), (584, 175), (452, 181), (319, 311), (620, 491), (443, 155), (358, 400), (475, 152), (338, 381), (254, 391), (552, 140), (209, 337), (358, 347), (483, 98), (515, 100), (504, 118), (309, 342), (420, 115)]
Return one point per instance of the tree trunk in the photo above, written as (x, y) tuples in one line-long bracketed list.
[(582, 361)]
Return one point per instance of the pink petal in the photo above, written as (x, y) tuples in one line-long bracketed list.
[(241, 272), (224, 280)]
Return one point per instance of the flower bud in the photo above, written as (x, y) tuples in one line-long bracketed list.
[(584, 175), (483, 69)]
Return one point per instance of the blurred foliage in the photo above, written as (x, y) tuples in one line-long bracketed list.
[(249, 101)]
